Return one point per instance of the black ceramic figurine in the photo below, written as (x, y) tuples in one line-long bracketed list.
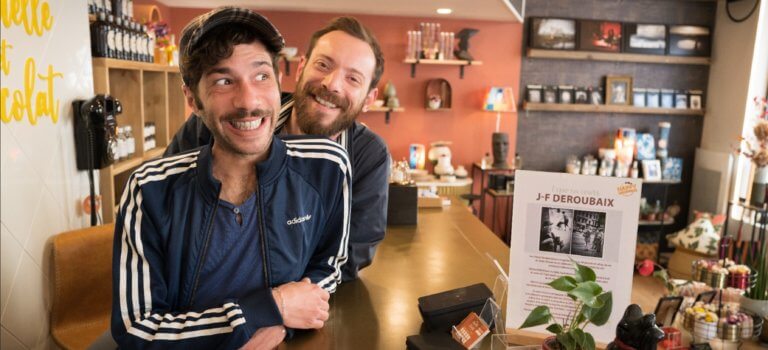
[(463, 52), (636, 331)]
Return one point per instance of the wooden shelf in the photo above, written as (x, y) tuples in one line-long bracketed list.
[(437, 109), (386, 111), (666, 222), (662, 182), (590, 108), (461, 63), (133, 65), (149, 93), (617, 57), (444, 62)]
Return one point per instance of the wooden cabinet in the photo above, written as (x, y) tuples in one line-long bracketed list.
[(148, 93)]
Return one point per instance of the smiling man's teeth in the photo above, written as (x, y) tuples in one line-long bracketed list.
[(324, 102), (247, 125)]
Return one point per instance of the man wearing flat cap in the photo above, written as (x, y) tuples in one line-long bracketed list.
[(228, 245)]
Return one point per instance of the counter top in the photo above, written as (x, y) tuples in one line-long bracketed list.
[(446, 250)]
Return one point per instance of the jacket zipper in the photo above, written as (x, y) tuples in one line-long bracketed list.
[(264, 260), (205, 251)]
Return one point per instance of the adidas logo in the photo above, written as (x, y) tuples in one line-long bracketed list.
[(299, 220)]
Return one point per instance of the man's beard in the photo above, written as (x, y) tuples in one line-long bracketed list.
[(310, 123)]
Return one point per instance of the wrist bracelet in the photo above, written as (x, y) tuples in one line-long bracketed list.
[(282, 301)]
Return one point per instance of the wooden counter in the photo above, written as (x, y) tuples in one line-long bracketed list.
[(446, 250)]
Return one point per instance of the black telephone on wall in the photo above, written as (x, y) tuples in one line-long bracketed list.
[(95, 131), (95, 137)]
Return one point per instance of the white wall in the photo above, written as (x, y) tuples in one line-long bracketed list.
[(737, 74), (40, 187)]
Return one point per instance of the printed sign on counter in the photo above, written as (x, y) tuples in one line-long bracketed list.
[(560, 217)]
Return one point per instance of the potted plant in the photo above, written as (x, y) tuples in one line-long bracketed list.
[(756, 299), (591, 305)]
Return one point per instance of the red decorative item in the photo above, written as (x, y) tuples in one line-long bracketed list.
[(646, 267), (672, 339)]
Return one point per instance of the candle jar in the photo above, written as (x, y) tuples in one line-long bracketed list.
[(717, 279), (727, 331), (703, 330)]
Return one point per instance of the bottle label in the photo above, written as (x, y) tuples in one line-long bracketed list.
[(111, 39), (127, 42), (134, 48), (118, 41)]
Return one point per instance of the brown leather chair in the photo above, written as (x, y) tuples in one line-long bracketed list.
[(82, 286)]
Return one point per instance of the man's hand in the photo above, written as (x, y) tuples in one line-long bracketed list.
[(266, 338), (304, 304)]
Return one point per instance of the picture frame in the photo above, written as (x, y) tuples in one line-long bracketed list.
[(652, 98), (667, 98), (645, 38), (666, 310), (706, 297), (618, 90), (549, 94), (694, 99), (688, 40), (598, 35), (553, 33), (672, 169), (595, 95), (638, 97), (581, 95), (565, 94), (681, 99), (534, 93), (651, 170)]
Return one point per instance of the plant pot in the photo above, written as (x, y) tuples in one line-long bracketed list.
[(757, 307), (550, 344)]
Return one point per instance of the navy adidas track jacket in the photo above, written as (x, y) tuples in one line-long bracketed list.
[(164, 227)]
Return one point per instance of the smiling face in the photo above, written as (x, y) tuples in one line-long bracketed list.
[(238, 99), (333, 84)]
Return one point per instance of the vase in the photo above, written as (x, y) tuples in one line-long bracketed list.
[(759, 183), (758, 307)]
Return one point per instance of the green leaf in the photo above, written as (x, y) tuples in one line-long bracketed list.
[(555, 328), (563, 284), (578, 336), (567, 341), (589, 342), (584, 273), (599, 316), (539, 316), (586, 292)]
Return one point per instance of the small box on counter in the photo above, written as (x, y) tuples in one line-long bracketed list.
[(402, 207), (442, 310)]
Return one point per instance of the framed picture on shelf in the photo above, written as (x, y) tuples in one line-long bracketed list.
[(694, 99), (553, 33), (595, 95), (645, 38), (672, 169), (580, 95), (689, 41), (599, 36), (652, 98), (681, 99), (550, 94), (666, 310), (534, 93), (652, 170), (618, 90), (565, 94)]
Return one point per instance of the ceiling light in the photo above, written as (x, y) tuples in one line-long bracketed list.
[(444, 11)]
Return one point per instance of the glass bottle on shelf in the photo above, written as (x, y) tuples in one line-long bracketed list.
[(111, 45), (99, 30), (130, 141), (173, 52), (121, 146), (118, 29), (128, 54)]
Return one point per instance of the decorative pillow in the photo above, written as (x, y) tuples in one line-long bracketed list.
[(702, 235)]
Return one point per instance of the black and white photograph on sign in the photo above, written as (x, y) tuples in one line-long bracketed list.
[(553, 33), (556, 229), (689, 41), (645, 38), (588, 233)]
